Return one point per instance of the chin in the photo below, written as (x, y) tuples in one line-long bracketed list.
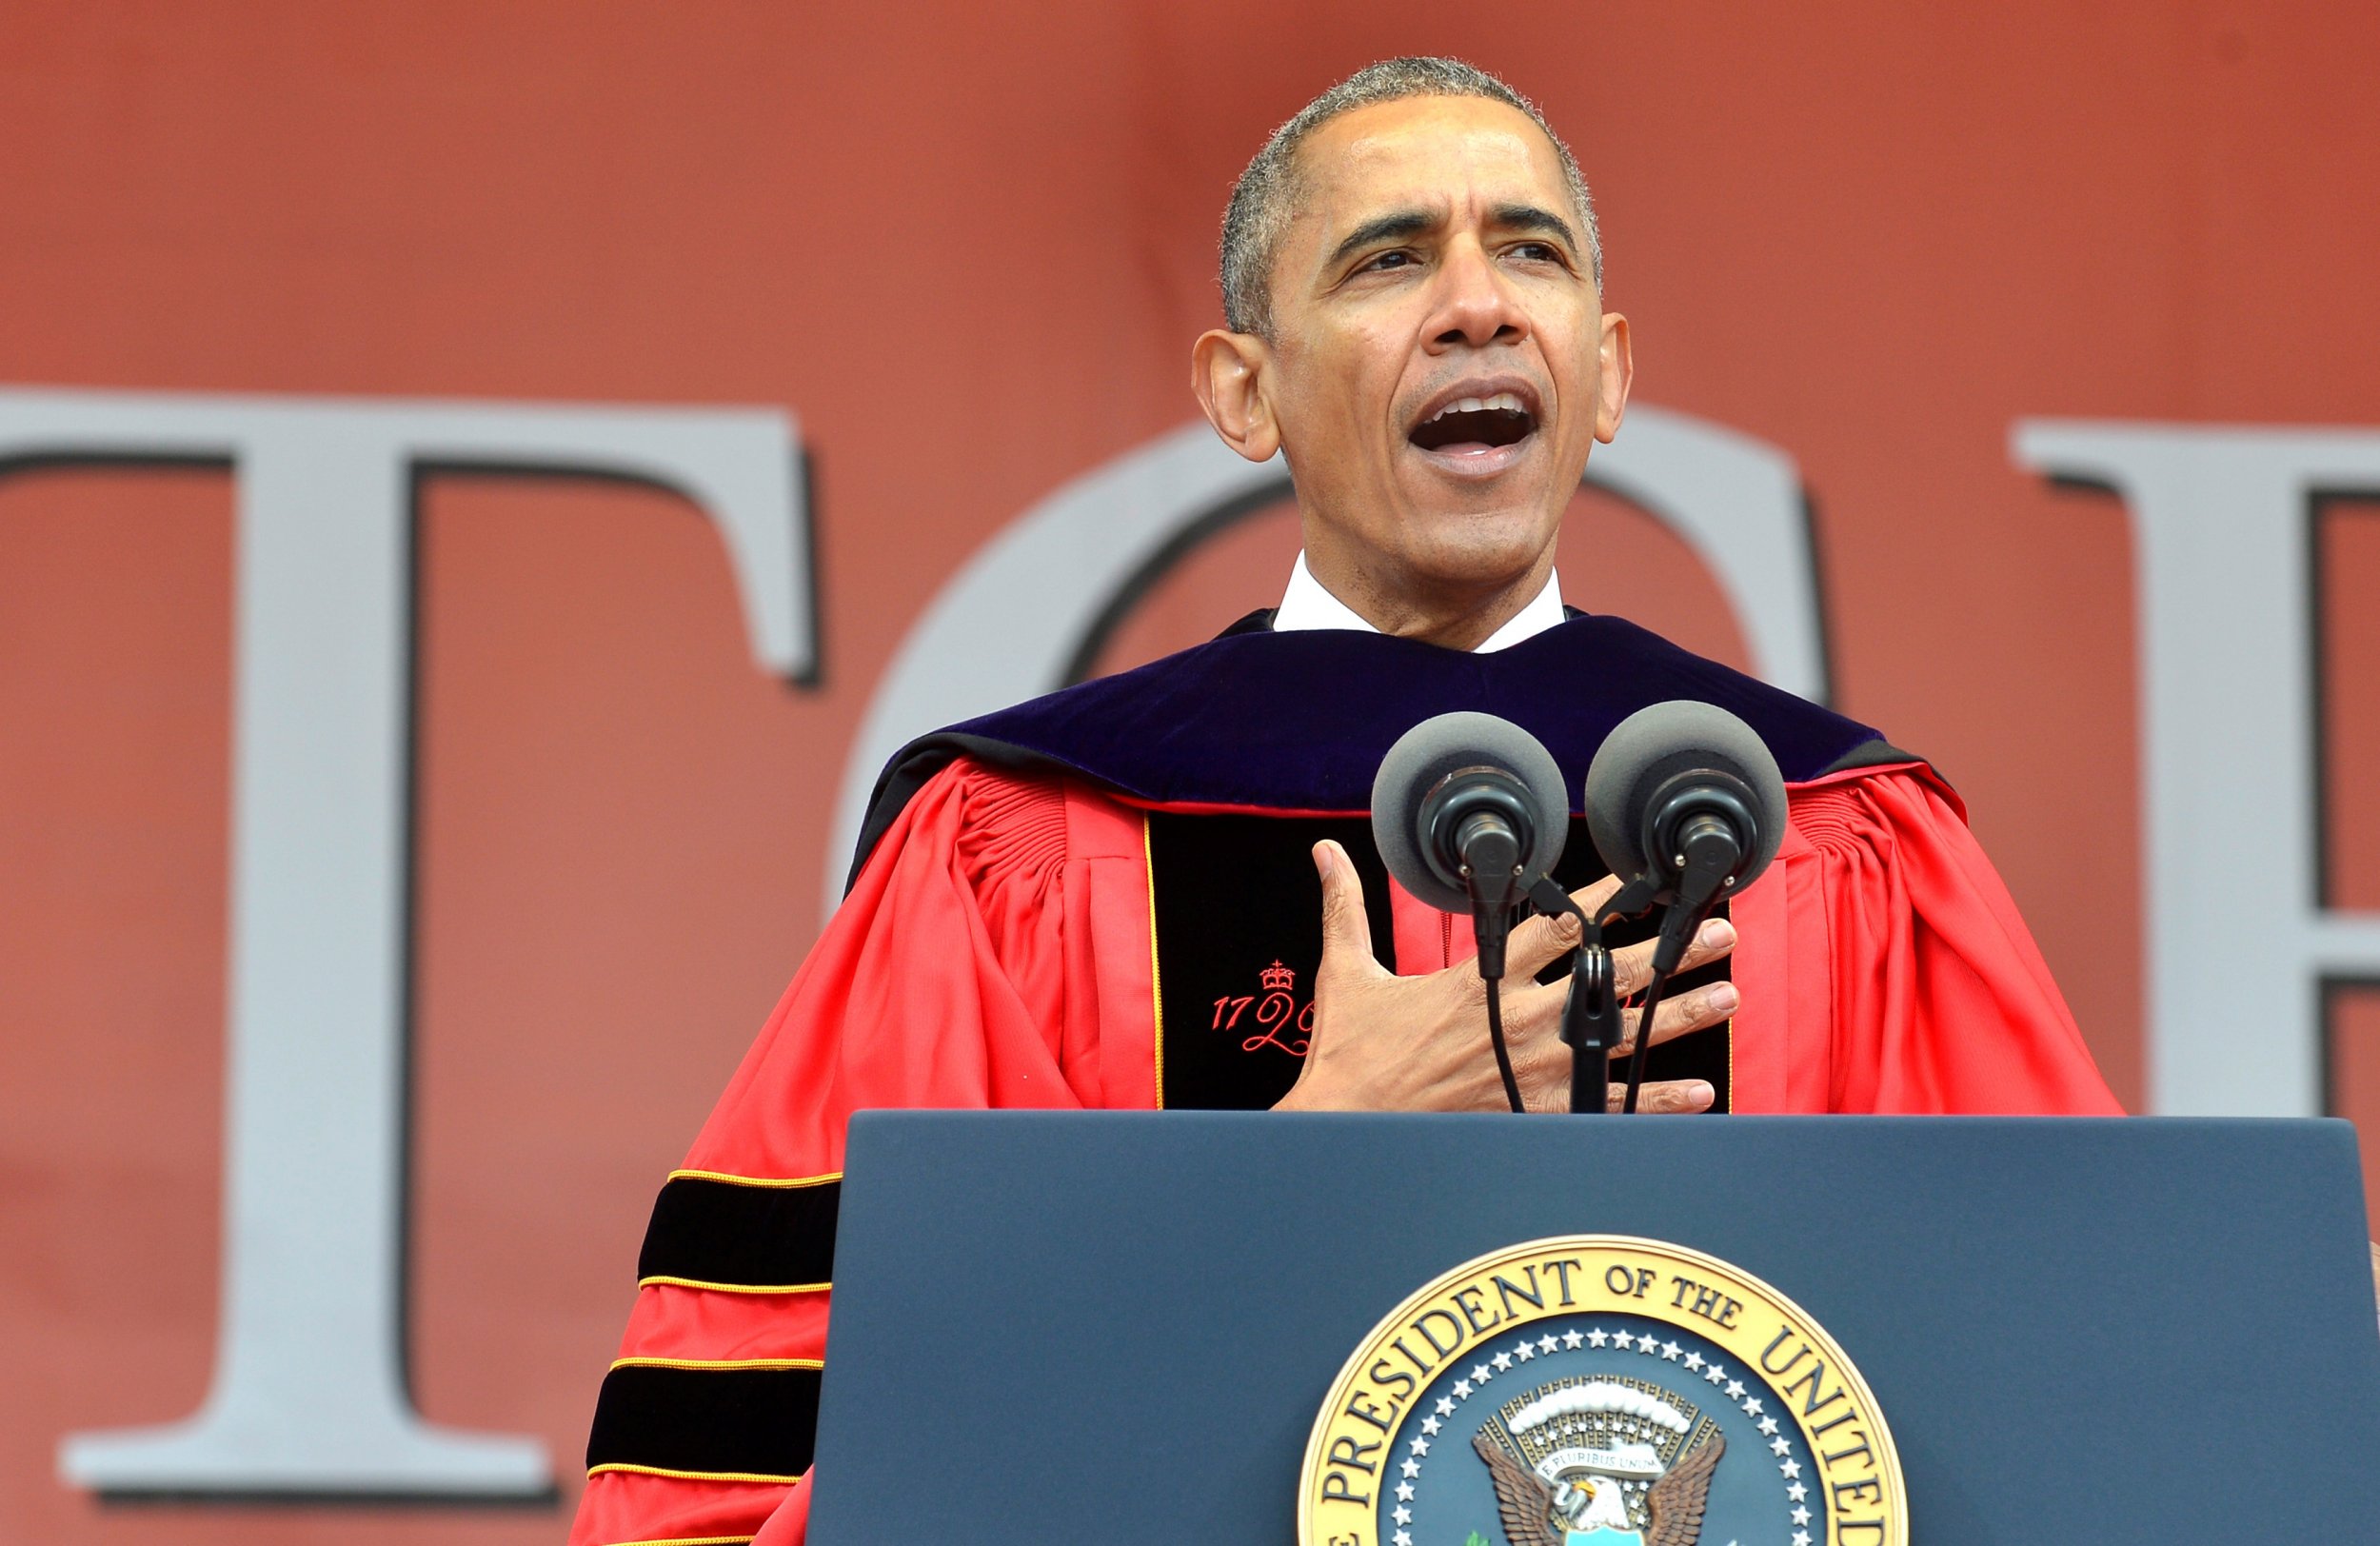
[(1476, 549)]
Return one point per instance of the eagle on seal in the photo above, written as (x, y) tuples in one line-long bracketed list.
[(1536, 1514)]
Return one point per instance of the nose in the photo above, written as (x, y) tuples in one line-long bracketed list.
[(1475, 305)]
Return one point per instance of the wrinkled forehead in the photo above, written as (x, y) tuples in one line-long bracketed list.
[(1448, 157)]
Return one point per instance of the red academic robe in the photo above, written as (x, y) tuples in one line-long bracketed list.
[(995, 951)]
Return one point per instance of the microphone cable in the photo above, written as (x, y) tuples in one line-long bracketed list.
[(1639, 1056), (1496, 1040)]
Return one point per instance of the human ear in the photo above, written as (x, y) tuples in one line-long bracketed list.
[(1618, 366), (1229, 378)]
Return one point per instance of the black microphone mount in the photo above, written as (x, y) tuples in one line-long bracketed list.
[(1481, 819), (1700, 833), (1478, 821), (1591, 1013)]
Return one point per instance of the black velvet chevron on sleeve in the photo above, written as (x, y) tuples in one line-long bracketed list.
[(742, 1422), (740, 1236)]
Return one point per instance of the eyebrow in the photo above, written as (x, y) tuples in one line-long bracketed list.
[(1529, 217), (1401, 223), (1404, 223)]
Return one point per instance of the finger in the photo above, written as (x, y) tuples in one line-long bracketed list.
[(1541, 1059), (1346, 927), (1534, 1007), (1687, 1012), (1669, 1098), (1536, 943), (1533, 1020), (1541, 939), (1533, 1023), (1631, 967), (1591, 896)]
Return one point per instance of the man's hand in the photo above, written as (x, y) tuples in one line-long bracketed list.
[(1384, 1043)]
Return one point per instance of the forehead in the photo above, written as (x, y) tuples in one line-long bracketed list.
[(1427, 154)]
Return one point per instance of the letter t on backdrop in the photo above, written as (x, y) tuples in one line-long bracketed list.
[(2239, 940), (308, 1394)]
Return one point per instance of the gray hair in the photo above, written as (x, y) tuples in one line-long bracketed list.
[(1262, 200)]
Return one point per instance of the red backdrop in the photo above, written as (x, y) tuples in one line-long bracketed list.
[(968, 247)]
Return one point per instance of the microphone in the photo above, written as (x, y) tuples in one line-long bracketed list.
[(1685, 799), (1469, 812)]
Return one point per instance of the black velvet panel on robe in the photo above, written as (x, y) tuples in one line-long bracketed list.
[(1238, 910), (1239, 916)]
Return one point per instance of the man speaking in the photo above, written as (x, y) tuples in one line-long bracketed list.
[(1160, 889)]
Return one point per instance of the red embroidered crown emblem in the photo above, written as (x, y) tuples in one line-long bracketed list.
[(1278, 978)]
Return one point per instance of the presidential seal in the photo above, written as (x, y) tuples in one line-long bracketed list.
[(1599, 1390)]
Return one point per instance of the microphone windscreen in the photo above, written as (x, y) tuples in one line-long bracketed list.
[(1658, 742), (1428, 752)]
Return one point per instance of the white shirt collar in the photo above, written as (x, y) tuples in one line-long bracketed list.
[(1306, 604)]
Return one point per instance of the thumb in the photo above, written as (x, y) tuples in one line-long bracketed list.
[(1346, 927)]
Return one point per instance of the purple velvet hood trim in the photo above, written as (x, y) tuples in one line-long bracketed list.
[(1298, 721)]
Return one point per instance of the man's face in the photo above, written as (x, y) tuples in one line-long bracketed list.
[(1441, 362)]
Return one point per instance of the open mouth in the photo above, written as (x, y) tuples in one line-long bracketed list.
[(1475, 426)]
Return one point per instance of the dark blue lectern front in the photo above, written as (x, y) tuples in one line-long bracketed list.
[(1053, 1329)]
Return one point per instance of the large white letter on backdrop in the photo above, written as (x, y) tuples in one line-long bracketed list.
[(1012, 623), (308, 1394), (2238, 938)]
